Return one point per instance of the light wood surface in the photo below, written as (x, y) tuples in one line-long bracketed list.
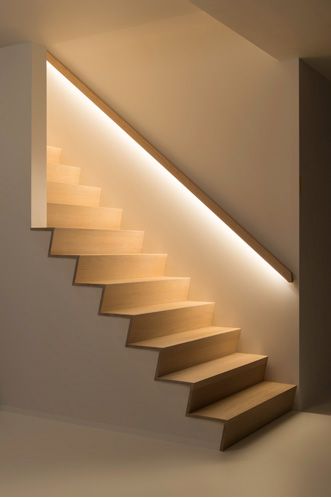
[(204, 394), (175, 171), (225, 385), (67, 241), (119, 267), (78, 195), (248, 410), (224, 366), (155, 321), (53, 154), (59, 173), (144, 292), (197, 351), (151, 310), (69, 216), (231, 407), (190, 336)]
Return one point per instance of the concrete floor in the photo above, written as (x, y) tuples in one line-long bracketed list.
[(44, 457)]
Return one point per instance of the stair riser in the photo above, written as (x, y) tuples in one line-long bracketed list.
[(76, 242), (192, 353), (61, 216), (205, 393), (144, 293), (248, 422), (169, 322), (102, 269), (53, 155), (76, 195), (63, 174), (224, 385)]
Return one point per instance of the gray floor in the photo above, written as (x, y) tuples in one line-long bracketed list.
[(45, 457)]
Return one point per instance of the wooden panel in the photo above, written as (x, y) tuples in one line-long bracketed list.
[(156, 291), (202, 395), (53, 154), (243, 401), (175, 171), (74, 242), (257, 417), (197, 351), (77, 195), (106, 269), (221, 367), (60, 173), (170, 319), (250, 409), (69, 216), (168, 341)]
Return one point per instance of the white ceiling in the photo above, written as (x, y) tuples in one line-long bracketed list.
[(283, 28), (54, 21)]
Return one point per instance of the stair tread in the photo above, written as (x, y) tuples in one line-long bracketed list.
[(182, 337), (85, 217), (73, 186), (53, 152), (208, 369), (143, 280), (51, 165), (140, 255), (73, 193), (243, 401), (94, 230), (76, 208), (154, 308)]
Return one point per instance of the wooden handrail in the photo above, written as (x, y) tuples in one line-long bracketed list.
[(176, 172)]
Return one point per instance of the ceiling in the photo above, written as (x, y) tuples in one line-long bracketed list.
[(53, 21), (283, 28)]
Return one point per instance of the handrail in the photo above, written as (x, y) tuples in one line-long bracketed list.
[(176, 172)]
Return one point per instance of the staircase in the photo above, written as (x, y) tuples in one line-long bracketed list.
[(225, 385)]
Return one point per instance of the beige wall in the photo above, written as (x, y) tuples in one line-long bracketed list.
[(228, 115)]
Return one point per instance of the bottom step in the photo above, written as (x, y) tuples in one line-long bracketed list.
[(248, 410)]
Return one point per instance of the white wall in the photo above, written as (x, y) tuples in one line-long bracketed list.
[(57, 355)]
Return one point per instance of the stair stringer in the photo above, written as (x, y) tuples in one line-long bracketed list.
[(220, 381)]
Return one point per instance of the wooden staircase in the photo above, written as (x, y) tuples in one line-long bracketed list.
[(225, 385)]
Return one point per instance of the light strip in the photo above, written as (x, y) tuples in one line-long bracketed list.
[(190, 197)]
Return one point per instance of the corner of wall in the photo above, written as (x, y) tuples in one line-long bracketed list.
[(38, 137)]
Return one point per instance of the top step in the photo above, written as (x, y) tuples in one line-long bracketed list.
[(53, 154), (61, 173)]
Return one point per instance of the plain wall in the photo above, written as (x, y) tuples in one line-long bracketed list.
[(315, 236)]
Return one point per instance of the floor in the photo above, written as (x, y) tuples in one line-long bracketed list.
[(45, 457)]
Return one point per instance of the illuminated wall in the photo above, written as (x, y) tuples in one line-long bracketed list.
[(248, 292)]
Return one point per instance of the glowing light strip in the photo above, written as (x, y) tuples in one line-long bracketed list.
[(125, 136)]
